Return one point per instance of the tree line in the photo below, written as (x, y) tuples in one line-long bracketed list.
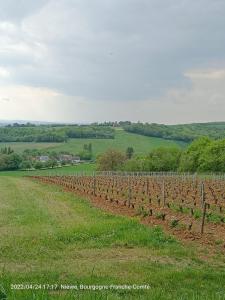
[(185, 132), (202, 155), (57, 134)]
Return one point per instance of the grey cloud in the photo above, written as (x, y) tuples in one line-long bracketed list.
[(11, 10), (115, 49)]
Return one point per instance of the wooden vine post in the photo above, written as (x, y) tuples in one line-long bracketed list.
[(163, 193), (94, 185), (202, 194), (129, 191), (203, 218), (147, 186)]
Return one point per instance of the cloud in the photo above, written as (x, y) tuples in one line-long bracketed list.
[(5, 99), (25, 102), (18, 11), (120, 54), (206, 74), (4, 72), (202, 101)]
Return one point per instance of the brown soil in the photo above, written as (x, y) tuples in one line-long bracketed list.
[(213, 238)]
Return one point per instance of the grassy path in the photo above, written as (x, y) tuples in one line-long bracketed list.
[(50, 236)]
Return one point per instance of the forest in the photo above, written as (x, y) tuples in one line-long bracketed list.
[(56, 133), (181, 132)]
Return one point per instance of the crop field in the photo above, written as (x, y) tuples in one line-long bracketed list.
[(188, 204)]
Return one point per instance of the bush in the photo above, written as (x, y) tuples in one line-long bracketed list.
[(26, 164), (10, 161), (111, 160), (38, 165), (85, 155), (51, 163)]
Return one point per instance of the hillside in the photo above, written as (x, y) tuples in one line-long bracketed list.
[(121, 141), (52, 133), (181, 132)]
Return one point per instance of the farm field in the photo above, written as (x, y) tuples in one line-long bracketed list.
[(191, 205), (141, 144), (49, 235)]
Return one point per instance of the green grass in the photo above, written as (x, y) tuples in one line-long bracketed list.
[(20, 147), (50, 236), (141, 144), (65, 170)]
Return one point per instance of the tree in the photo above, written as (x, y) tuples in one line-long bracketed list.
[(213, 157), (26, 164), (38, 165), (191, 158), (133, 165), (111, 160), (10, 161), (7, 150), (86, 154), (51, 163), (129, 152), (3, 165), (85, 147), (90, 147), (162, 159), (63, 162)]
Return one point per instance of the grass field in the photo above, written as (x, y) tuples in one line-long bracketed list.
[(20, 147), (141, 144), (65, 170), (50, 236)]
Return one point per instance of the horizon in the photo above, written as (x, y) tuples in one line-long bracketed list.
[(45, 122)]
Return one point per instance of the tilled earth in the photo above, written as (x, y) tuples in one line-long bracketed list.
[(213, 237)]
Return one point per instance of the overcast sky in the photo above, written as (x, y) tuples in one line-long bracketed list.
[(93, 60)]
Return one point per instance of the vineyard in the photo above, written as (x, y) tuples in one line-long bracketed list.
[(184, 203)]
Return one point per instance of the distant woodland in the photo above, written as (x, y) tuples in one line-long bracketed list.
[(61, 133), (54, 133), (185, 132)]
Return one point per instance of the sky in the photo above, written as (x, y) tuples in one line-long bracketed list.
[(159, 61)]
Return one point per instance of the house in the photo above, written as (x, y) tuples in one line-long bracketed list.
[(69, 158), (76, 159), (43, 158), (65, 157)]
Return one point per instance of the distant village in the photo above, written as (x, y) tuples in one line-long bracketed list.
[(48, 160), (38, 159), (31, 159), (63, 158)]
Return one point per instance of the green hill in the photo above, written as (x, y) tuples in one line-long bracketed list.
[(181, 132), (122, 140)]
